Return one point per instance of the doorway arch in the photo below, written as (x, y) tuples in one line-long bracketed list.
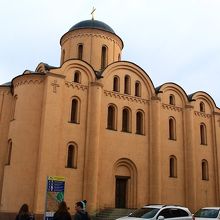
[(125, 187)]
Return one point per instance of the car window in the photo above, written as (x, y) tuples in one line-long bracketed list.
[(166, 213), (178, 213), (173, 213), (144, 213), (207, 213)]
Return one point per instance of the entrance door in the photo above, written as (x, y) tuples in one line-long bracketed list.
[(120, 192)]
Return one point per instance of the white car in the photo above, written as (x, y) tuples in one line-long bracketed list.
[(160, 212), (207, 213)]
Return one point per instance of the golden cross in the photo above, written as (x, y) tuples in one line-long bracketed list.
[(92, 13)]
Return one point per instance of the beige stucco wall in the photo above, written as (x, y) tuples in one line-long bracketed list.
[(41, 132), (20, 175), (92, 41), (5, 117)]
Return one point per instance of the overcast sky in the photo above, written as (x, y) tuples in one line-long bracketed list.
[(172, 40)]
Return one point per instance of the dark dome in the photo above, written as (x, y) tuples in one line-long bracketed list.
[(92, 24)]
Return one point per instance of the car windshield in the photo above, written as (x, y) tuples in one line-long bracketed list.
[(207, 213), (144, 213)]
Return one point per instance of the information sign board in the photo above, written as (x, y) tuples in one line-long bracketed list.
[(54, 195)]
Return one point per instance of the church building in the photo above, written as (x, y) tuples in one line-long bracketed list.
[(99, 121)]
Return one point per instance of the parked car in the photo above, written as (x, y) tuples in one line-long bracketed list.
[(207, 213), (160, 212)]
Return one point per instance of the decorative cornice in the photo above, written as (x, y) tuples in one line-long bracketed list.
[(202, 114), (27, 81), (172, 107), (90, 35), (75, 85), (126, 97)]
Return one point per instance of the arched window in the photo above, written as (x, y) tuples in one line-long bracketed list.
[(172, 128), (171, 100), (203, 135), (111, 121), (116, 83), (126, 115), (8, 161), (173, 166), (202, 107), (139, 123), (71, 156), (63, 56), (205, 170), (77, 77), (127, 84), (80, 51), (137, 89), (104, 57), (75, 107)]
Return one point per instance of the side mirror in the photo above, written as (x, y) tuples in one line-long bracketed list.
[(160, 217)]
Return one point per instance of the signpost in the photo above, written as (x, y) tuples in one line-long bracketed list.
[(54, 195)]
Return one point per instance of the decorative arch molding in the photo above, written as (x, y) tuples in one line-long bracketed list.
[(203, 96), (125, 65), (173, 87), (81, 66), (125, 167), (44, 67)]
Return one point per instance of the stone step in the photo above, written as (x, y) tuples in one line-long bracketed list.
[(112, 214)]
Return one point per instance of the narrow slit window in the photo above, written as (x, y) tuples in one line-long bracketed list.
[(202, 107), (71, 156), (111, 118), (74, 118), (172, 129), (137, 89), (173, 166), (77, 77), (116, 84), (127, 84), (203, 135), (139, 123), (104, 57), (205, 171), (171, 100), (80, 51), (125, 120)]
